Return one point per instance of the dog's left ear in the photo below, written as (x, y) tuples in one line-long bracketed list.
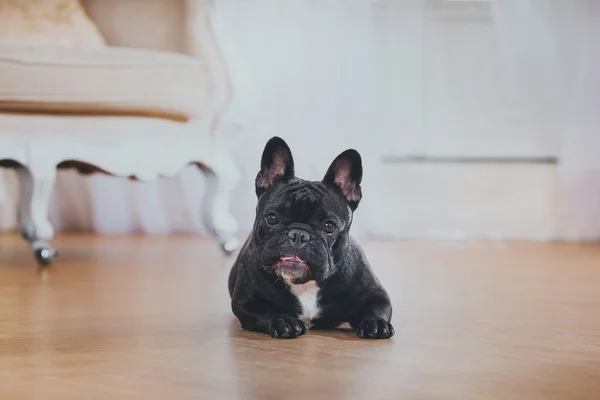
[(345, 174)]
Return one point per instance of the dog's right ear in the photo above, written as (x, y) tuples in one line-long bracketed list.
[(276, 165)]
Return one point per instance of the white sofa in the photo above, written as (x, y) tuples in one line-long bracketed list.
[(140, 108)]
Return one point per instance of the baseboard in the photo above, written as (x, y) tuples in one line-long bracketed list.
[(438, 200), (476, 200)]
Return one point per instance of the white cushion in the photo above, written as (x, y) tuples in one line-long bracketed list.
[(101, 80)]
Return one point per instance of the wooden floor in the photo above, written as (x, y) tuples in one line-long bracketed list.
[(131, 318)]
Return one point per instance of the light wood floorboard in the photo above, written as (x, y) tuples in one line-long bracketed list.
[(149, 318)]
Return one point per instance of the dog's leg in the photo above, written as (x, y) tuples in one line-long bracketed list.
[(373, 322), (262, 317)]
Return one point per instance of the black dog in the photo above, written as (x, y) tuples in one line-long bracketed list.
[(300, 262)]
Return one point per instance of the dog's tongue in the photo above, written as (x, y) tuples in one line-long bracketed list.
[(292, 259)]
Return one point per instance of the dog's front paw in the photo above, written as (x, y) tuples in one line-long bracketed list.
[(374, 328), (287, 327)]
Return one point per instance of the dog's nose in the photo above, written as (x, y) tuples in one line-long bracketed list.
[(298, 237)]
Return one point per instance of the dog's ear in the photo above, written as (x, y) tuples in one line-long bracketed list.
[(345, 175), (276, 165)]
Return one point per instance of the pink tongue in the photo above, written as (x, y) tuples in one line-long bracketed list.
[(292, 259)]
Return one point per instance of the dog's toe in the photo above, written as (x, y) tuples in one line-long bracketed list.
[(287, 327), (375, 328)]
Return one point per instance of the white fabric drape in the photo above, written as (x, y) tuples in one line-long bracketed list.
[(552, 49)]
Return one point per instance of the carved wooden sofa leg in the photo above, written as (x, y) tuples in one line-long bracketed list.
[(36, 173), (222, 177), (36, 183)]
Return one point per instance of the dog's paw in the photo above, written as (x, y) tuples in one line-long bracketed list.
[(287, 327), (374, 328)]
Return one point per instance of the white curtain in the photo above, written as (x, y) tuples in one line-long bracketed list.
[(552, 50)]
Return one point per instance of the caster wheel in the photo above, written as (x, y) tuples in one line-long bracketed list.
[(44, 254), (229, 246)]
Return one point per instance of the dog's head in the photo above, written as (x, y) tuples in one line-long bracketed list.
[(299, 224)]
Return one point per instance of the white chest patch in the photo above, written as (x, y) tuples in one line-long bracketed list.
[(307, 296)]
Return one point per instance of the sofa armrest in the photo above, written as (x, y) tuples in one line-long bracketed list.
[(185, 26)]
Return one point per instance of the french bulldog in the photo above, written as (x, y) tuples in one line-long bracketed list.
[(300, 267)]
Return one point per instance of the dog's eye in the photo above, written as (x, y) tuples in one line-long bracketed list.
[(272, 219), (329, 227)]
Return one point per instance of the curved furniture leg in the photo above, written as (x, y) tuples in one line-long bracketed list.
[(222, 178), (35, 192)]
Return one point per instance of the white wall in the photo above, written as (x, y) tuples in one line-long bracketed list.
[(394, 79), (314, 63), (399, 80)]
